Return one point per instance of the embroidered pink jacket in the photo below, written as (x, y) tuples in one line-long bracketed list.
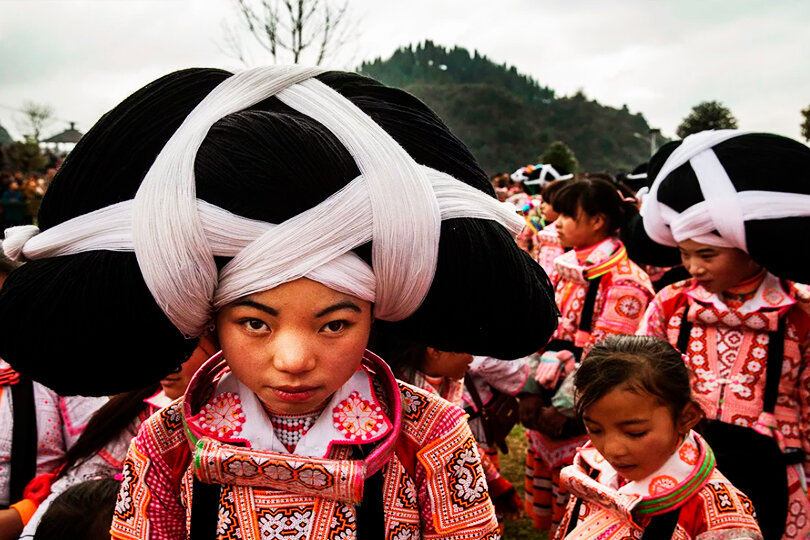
[(623, 295), (711, 507), (548, 247), (433, 485), (728, 349), (727, 354)]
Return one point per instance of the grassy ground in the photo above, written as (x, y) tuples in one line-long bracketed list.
[(513, 468)]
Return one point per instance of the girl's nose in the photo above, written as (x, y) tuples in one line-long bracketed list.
[(292, 353), (614, 448)]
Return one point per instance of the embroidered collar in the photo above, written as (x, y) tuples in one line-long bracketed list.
[(601, 260), (670, 487), (234, 414), (232, 439), (759, 313), (548, 235)]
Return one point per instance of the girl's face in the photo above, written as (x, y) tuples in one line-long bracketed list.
[(446, 364), (581, 231), (175, 384), (295, 344), (547, 211), (634, 431), (716, 269)]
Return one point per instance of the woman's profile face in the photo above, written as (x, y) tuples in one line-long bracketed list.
[(296, 344)]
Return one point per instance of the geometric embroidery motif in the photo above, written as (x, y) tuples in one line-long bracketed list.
[(358, 419), (412, 404), (722, 499), (285, 523), (470, 486), (129, 517), (222, 417), (457, 487)]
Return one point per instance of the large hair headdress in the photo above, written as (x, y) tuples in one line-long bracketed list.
[(729, 188), (156, 243)]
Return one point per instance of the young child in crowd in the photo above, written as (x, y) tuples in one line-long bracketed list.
[(290, 208), (645, 473), (444, 373), (599, 292), (731, 206), (547, 240), (100, 450)]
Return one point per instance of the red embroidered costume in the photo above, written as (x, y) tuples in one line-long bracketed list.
[(622, 296), (433, 485), (727, 350), (610, 509)]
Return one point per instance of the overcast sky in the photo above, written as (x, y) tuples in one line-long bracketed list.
[(659, 58)]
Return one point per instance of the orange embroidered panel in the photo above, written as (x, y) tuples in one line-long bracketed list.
[(456, 484)]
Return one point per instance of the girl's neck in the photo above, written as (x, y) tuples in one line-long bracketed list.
[(745, 289), (584, 251)]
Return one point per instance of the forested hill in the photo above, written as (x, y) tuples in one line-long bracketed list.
[(508, 119)]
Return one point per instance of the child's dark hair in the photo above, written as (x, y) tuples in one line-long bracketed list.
[(81, 511), (639, 363), (405, 356), (551, 189), (595, 196)]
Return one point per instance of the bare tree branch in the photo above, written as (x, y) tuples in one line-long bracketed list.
[(36, 116), (291, 29)]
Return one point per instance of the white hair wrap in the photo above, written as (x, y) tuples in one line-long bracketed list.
[(395, 203), (724, 209)]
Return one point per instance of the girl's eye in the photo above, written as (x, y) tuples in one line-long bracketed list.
[(637, 435), (333, 327), (592, 431), (254, 325)]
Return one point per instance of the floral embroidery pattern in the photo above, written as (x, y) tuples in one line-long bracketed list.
[(629, 306), (285, 524), (358, 419), (688, 454), (412, 404), (223, 416), (662, 484)]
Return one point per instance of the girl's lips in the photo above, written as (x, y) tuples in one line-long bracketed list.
[(294, 393)]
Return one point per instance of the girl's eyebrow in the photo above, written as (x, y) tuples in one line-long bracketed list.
[(345, 304), (633, 421), (257, 305)]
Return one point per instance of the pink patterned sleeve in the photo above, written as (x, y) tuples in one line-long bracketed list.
[(653, 323), (148, 503), (622, 311)]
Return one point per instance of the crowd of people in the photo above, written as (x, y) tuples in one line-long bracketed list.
[(289, 304)]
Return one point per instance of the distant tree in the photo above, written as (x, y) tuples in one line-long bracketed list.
[(24, 156), (806, 124), (290, 30), (36, 116), (559, 156), (5, 138), (707, 115)]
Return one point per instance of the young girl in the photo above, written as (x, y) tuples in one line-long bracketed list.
[(444, 373), (548, 240), (289, 208), (744, 331), (599, 292), (645, 473)]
